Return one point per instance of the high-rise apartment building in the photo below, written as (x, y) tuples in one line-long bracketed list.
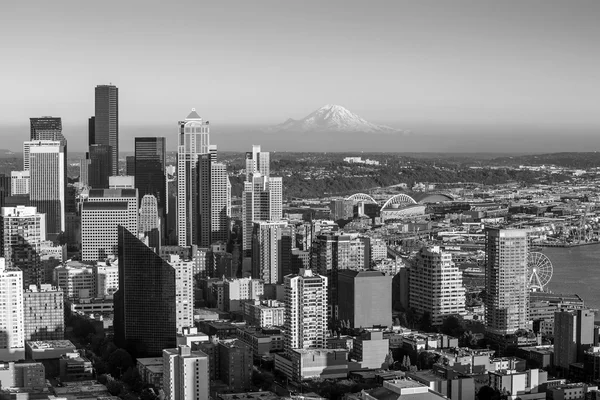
[(12, 339), (436, 285), (365, 298), (185, 374), (106, 122), (257, 162), (149, 171), (146, 302), (101, 215), (573, 335), (184, 291), (193, 141), (19, 182), (44, 313), (261, 201), (507, 292), (267, 251), (220, 203), (305, 311), (48, 183), (23, 231)]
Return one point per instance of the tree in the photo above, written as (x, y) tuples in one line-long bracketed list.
[(389, 359), (131, 376), (425, 324), (114, 387), (119, 361), (452, 326)]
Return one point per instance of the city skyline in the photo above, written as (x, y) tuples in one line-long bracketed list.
[(522, 67)]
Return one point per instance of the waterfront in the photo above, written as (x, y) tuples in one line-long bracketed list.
[(576, 270)]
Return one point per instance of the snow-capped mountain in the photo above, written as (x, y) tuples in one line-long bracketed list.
[(333, 118)]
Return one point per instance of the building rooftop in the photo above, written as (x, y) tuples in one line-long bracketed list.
[(150, 361), (105, 205), (50, 344)]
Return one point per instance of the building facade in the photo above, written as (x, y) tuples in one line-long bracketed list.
[(436, 285), (305, 311), (106, 122), (507, 292), (44, 313), (12, 324), (185, 374)]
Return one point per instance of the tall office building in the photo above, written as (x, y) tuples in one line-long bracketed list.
[(23, 231), (46, 128), (44, 313), (186, 374), (267, 249), (507, 293), (47, 182), (261, 201), (101, 216), (193, 141), (100, 166), (149, 170), (365, 298), (257, 162), (305, 311), (130, 165), (12, 327), (106, 122), (149, 223), (204, 200), (145, 304), (19, 182), (436, 285), (5, 189), (91, 131), (573, 335)]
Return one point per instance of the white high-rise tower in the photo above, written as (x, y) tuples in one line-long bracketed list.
[(305, 315), (12, 339), (193, 141)]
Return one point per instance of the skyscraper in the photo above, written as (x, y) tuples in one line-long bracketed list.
[(220, 203), (261, 201), (186, 374), (145, 304), (19, 182), (204, 200), (436, 286), (46, 128), (12, 339), (149, 223), (48, 183), (257, 162), (305, 311), (507, 293), (193, 141), (23, 231), (91, 131), (184, 293), (106, 122), (266, 251), (149, 172), (100, 166)]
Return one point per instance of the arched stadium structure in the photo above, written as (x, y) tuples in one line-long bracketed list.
[(361, 198)]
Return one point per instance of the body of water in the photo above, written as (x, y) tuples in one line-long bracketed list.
[(576, 270)]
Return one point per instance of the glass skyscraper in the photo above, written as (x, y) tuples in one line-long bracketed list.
[(106, 122)]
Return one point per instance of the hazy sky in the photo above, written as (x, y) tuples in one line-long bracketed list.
[(404, 63)]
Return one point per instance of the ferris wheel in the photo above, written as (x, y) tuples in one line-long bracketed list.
[(539, 271)]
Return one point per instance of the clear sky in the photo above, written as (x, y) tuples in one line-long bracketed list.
[(404, 63)]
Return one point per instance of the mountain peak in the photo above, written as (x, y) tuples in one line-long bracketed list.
[(333, 118)]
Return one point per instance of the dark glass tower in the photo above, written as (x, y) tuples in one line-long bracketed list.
[(145, 304), (149, 172), (204, 200), (100, 166), (47, 128), (106, 125), (91, 131)]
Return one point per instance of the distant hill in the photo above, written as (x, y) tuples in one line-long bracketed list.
[(8, 153), (567, 160)]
